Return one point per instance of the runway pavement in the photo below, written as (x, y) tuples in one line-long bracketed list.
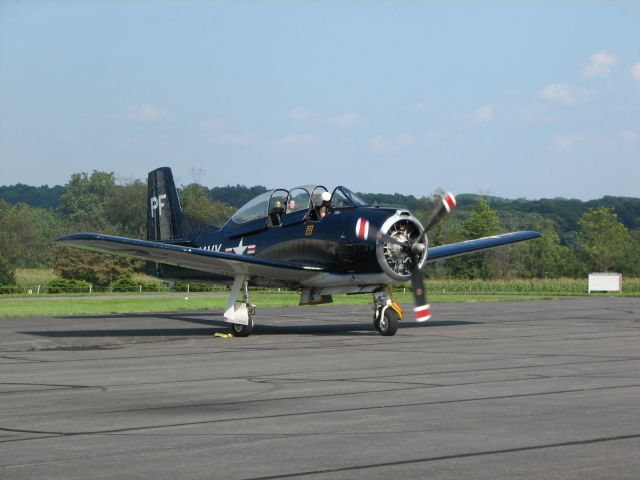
[(541, 389)]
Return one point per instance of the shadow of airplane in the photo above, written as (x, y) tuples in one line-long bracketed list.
[(213, 326)]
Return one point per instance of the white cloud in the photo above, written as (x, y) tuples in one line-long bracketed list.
[(564, 93), (347, 120), (600, 64), (419, 108), (483, 114), (212, 125), (219, 132), (295, 140), (635, 71), (567, 141), (235, 138), (384, 145), (629, 136), (299, 113), (68, 136), (380, 146), (147, 112), (344, 120)]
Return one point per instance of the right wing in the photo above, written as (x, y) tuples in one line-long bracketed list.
[(191, 257), (470, 246)]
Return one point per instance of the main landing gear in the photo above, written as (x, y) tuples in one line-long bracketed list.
[(240, 330), (240, 314), (386, 313)]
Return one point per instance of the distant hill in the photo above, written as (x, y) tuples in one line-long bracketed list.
[(235, 196), (41, 197), (565, 212), (516, 213)]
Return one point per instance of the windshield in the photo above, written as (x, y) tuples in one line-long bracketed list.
[(344, 198), (253, 209)]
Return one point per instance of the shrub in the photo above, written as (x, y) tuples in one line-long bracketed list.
[(9, 289), (193, 287), (124, 284), (64, 285), (152, 286)]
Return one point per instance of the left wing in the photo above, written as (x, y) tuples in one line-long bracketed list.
[(192, 257), (469, 246)]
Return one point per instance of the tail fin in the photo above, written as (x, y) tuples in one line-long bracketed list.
[(164, 213), (165, 220)]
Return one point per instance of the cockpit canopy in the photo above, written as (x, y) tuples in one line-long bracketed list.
[(307, 197)]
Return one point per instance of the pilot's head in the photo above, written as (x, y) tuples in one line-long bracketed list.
[(292, 204)]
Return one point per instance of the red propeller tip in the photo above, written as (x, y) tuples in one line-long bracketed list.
[(449, 201), (423, 313), (362, 228)]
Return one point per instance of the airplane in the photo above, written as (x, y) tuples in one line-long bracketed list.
[(308, 238)]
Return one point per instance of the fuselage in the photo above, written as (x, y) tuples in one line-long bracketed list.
[(330, 242)]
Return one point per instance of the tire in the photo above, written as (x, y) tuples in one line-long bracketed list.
[(388, 325), (239, 330)]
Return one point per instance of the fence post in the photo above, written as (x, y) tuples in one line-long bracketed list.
[(187, 288), (90, 289), (140, 288)]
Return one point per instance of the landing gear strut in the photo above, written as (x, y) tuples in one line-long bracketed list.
[(386, 313)]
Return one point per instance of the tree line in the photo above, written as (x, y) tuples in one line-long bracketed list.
[(578, 237)]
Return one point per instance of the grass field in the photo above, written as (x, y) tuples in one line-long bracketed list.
[(51, 306), (454, 290)]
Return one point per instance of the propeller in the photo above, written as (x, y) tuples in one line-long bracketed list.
[(416, 249), (422, 309)]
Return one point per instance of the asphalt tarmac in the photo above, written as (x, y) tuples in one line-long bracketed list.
[(541, 389)]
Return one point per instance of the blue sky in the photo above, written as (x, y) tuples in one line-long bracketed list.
[(505, 98)]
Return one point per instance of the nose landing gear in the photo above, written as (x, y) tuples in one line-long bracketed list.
[(386, 313)]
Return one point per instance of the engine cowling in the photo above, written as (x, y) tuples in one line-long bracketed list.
[(397, 261)]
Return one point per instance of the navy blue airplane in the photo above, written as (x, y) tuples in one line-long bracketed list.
[(307, 238)]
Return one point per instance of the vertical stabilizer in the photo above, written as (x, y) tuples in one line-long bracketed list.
[(164, 213)]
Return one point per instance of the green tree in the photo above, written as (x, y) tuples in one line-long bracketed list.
[(544, 256), (7, 273), (85, 200), (482, 222), (196, 203), (26, 234), (126, 209), (604, 244)]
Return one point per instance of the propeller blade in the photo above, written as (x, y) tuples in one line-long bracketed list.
[(422, 309), (447, 205)]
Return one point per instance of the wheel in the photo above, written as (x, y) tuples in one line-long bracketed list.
[(387, 324), (239, 330)]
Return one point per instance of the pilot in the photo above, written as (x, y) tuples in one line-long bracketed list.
[(274, 214), (292, 206), (324, 206)]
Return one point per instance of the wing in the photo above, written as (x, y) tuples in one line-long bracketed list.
[(461, 248), (190, 257)]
